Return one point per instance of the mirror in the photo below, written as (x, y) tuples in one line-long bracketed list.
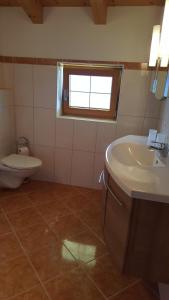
[(160, 84)]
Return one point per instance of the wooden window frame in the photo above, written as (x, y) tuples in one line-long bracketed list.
[(92, 71)]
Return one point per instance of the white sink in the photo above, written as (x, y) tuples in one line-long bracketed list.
[(139, 171), (131, 154)]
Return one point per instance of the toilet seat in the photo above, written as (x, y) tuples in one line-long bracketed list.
[(21, 162)]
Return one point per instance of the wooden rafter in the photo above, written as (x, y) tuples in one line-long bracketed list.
[(86, 2), (34, 10), (99, 11)]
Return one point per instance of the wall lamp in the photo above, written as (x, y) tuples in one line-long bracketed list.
[(159, 51)]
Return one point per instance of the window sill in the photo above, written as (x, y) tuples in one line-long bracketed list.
[(64, 117)]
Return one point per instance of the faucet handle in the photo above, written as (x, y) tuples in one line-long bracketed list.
[(152, 136), (161, 138)]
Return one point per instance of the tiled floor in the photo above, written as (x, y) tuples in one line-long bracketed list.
[(52, 247)]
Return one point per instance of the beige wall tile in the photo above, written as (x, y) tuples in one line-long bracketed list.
[(64, 133), (127, 125), (106, 133), (134, 93), (84, 136), (149, 123), (63, 161), (99, 159), (46, 154), (23, 85), (82, 168), (25, 122), (7, 76), (45, 86), (44, 127)]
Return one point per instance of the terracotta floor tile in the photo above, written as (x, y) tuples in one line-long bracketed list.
[(73, 286), (16, 276), (91, 194), (49, 219), (66, 190), (85, 247), (106, 277), (52, 261), (93, 218), (4, 226), (36, 293), (15, 203), (53, 210), (77, 202), (4, 193), (35, 237), (35, 185), (25, 218), (137, 292), (43, 197), (67, 227), (9, 247)]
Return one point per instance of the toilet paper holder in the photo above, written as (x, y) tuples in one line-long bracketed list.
[(22, 141), (23, 146)]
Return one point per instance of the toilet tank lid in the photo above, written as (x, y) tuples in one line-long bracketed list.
[(18, 161)]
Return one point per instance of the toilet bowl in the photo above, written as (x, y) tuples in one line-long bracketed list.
[(15, 168)]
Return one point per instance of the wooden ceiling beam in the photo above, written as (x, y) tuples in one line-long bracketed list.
[(99, 11), (82, 3), (34, 10)]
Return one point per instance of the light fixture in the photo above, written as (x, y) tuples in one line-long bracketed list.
[(159, 52), (154, 50), (164, 40)]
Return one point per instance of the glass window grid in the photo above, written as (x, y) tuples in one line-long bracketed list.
[(89, 107)]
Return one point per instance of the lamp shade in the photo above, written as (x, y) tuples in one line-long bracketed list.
[(154, 50), (164, 40)]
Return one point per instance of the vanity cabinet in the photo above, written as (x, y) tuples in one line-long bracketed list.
[(136, 232)]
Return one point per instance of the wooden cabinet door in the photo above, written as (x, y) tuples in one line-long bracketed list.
[(116, 227)]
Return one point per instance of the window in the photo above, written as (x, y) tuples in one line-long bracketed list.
[(91, 91)]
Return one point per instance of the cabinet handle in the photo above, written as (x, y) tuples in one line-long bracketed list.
[(102, 178)]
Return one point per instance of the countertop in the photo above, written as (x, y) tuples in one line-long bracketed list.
[(149, 183)]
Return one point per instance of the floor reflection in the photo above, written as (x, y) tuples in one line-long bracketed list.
[(82, 251)]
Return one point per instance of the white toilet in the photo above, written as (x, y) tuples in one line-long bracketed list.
[(15, 168)]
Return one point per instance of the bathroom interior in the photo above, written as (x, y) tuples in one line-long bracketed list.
[(84, 135)]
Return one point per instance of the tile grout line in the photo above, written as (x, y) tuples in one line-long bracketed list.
[(33, 91), (26, 255), (72, 151), (22, 293), (124, 289), (87, 226), (55, 138), (41, 215), (14, 102), (94, 156)]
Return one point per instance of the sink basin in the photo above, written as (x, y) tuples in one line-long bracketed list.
[(131, 154), (137, 169)]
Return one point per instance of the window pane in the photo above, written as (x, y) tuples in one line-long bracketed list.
[(101, 101), (77, 99), (101, 84), (80, 83)]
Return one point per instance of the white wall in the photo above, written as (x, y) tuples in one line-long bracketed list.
[(72, 151), (7, 118), (7, 133), (164, 118), (71, 33)]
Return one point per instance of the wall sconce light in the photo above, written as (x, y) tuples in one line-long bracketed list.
[(155, 46), (159, 51)]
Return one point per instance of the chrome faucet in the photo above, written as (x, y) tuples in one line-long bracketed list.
[(163, 148), (158, 142)]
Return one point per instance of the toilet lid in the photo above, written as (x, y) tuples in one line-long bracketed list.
[(18, 161)]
